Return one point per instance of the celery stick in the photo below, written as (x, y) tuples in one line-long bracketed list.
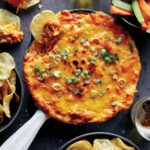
[(137, 11), (122, 5)]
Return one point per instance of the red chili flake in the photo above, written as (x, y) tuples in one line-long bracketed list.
[(92, 67), (95, 41)]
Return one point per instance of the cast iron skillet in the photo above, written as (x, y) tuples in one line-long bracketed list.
[(14, 106), (25, 135), (132, 21), (98, 135)]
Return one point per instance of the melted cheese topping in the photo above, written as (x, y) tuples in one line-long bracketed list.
[(88, 73)]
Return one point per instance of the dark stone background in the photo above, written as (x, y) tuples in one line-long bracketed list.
[(54, 134)]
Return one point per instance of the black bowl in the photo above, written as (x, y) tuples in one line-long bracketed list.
[(14, 106), (91, 136)]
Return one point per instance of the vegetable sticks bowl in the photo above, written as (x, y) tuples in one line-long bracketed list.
[(14, 105), (134, 12)]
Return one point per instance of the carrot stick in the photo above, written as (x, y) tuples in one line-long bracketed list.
[(118, 11), (15, 3), (145, 9), (148, 2), (146, 26)]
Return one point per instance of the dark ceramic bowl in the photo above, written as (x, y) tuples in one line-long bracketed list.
[(14, 106), (83, 10), (91, 136)]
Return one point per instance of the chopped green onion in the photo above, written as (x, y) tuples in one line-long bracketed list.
[(104, 52), (102, 92), (51, 65), (119, 40), (131, 47), (76, 50), (78, 72), (75, 80), (54, 56), (65, 51), (68, 80), (65, 54), (74, 38), (39, 70), (114, 103), (108, 59), (115, 57), (65, 57), (112, 73), (137, 11), (98, 81), (79, 93), (57, 74), (36, 70), (86, 74), (83, 41), (42, 77), (93, 59), (59, 94), (56, 86), (98, 54), (93, 48), (122, 5)]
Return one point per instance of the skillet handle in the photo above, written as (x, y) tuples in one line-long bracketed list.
[(24, 136)]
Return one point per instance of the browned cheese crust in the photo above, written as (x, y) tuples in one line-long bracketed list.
[(86, 73)]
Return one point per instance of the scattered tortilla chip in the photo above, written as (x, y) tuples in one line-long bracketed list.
[(104, 144), (7, 17), (39, 21), (7, 64), (10, 28), (30, 3), (80, 145), (7, 84), (7, 99), (12, 78), (97, 145), (121, 144), (1, 83)]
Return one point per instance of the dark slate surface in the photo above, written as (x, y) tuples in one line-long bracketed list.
[(54, 134)]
